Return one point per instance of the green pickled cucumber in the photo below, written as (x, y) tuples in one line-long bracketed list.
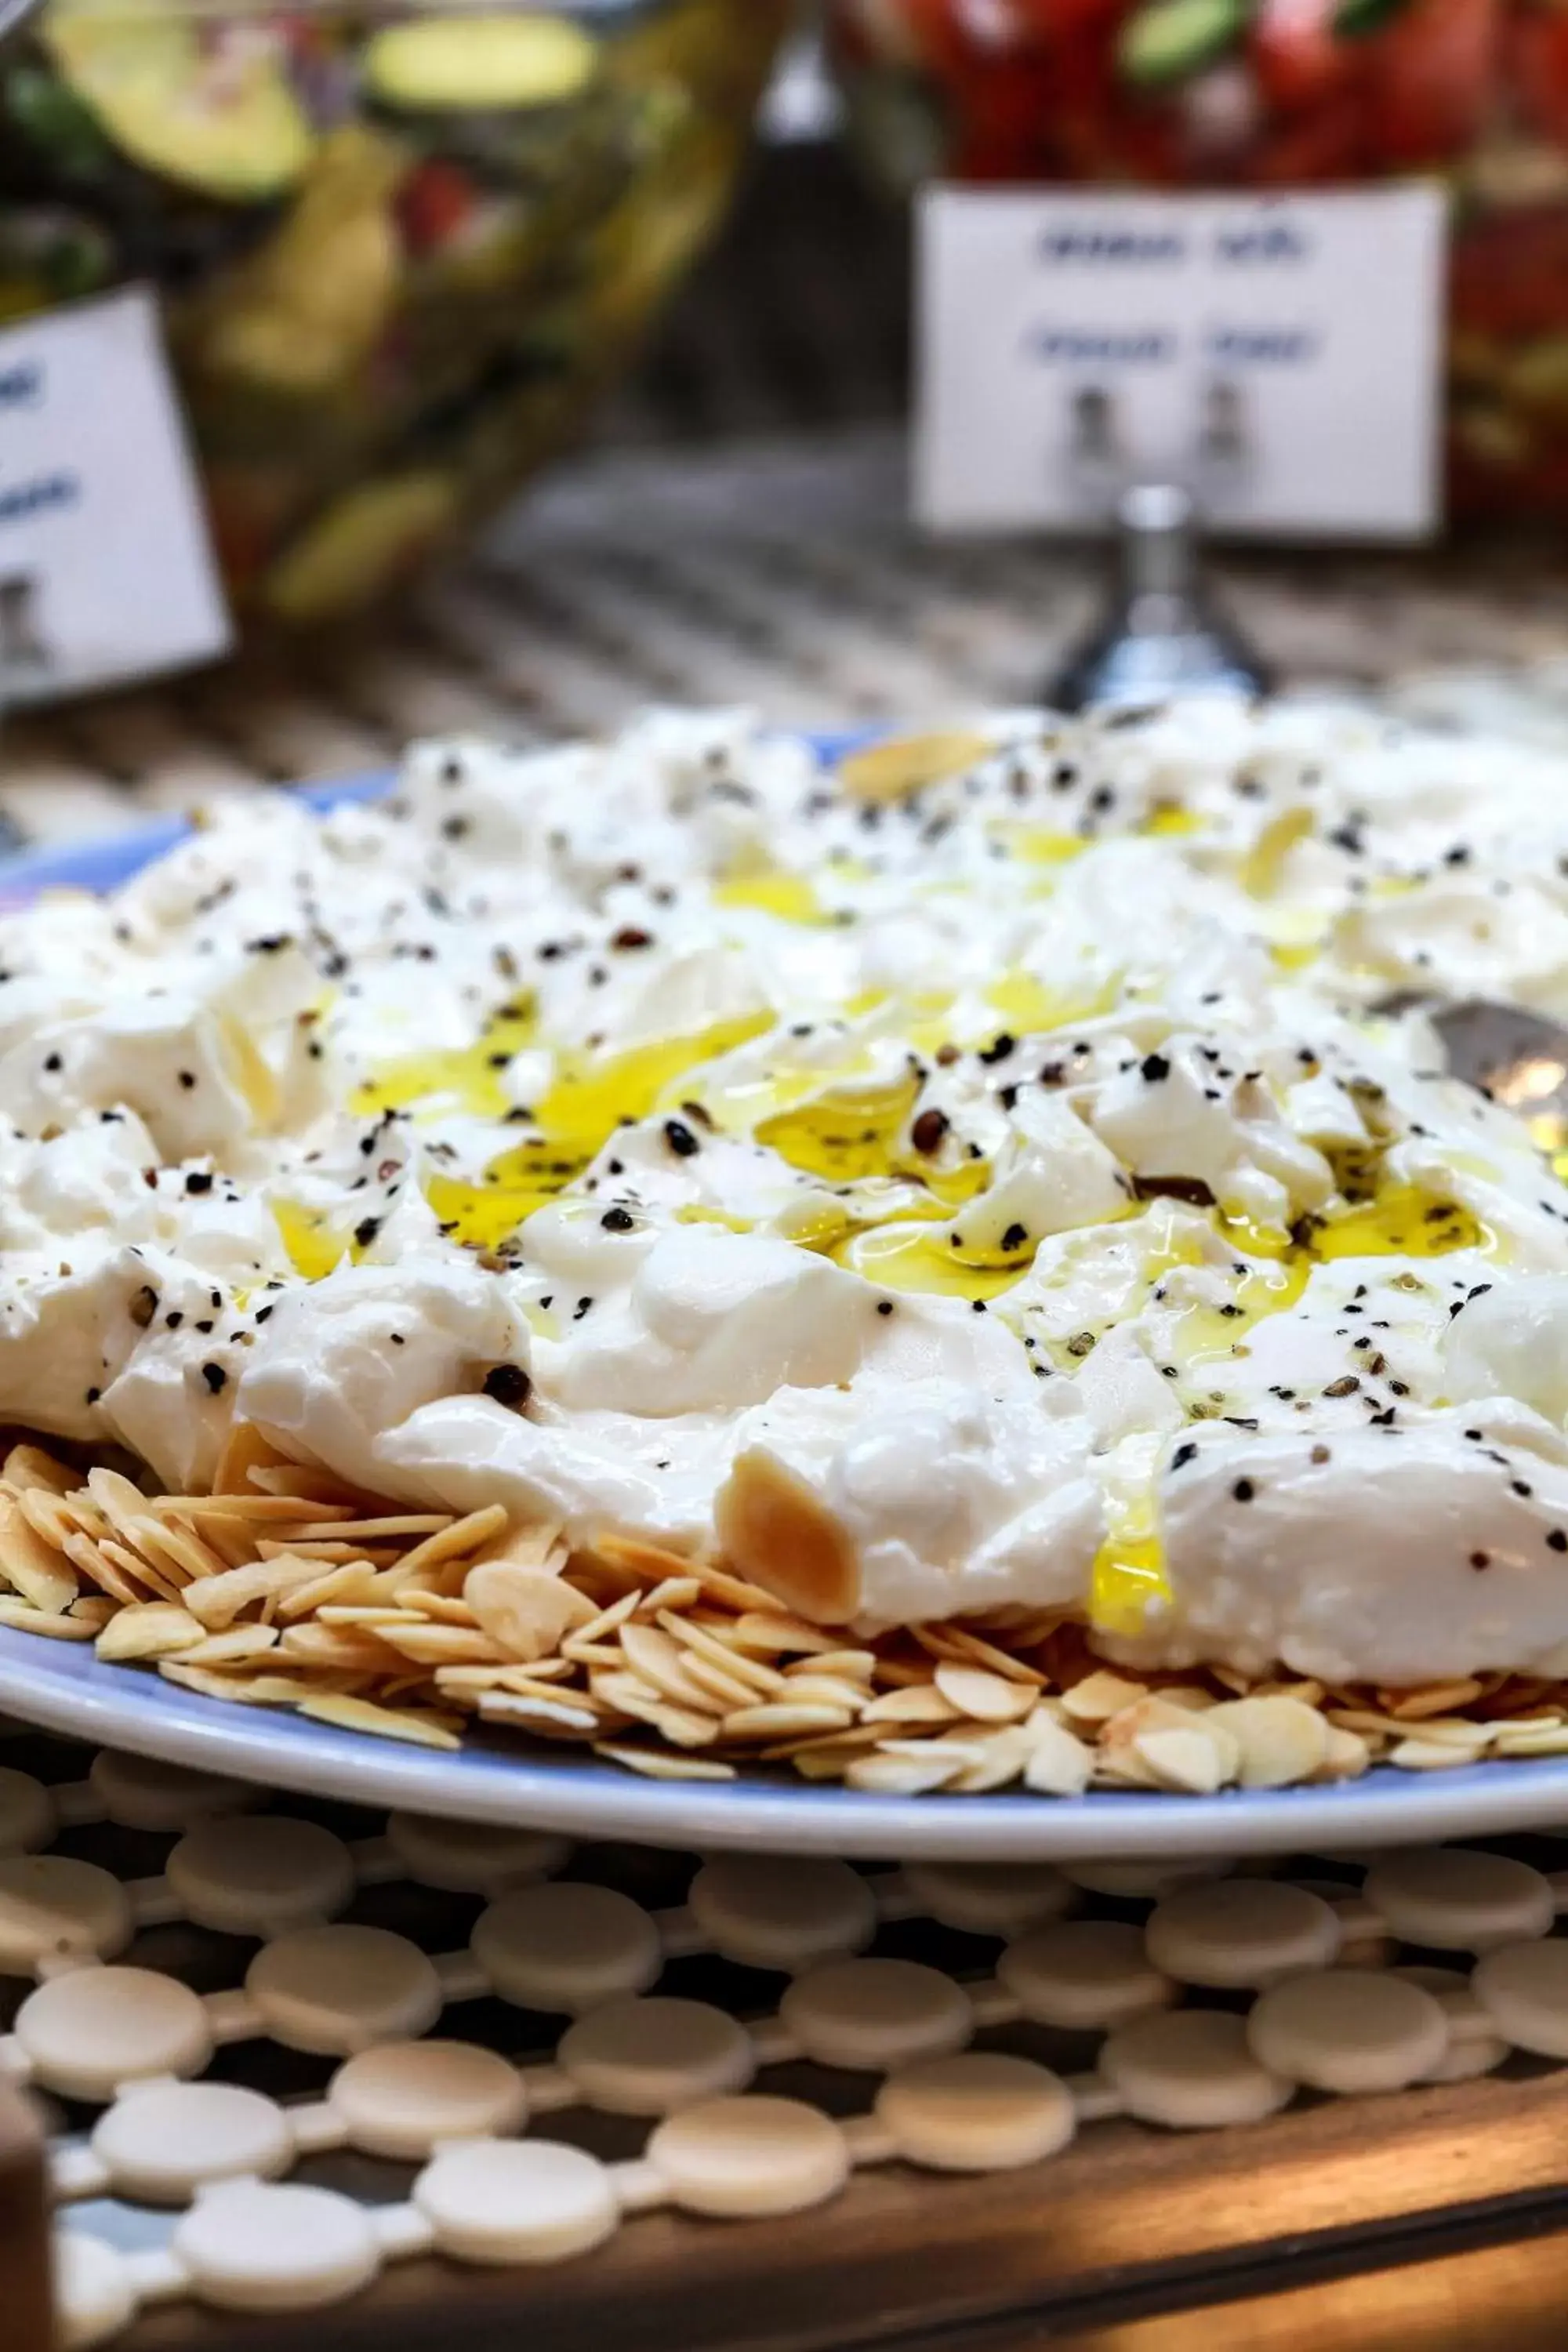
[(489, 64), (361, 547), (1169, 40), (230, 128)]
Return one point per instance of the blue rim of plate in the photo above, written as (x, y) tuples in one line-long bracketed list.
[(64, 1687)]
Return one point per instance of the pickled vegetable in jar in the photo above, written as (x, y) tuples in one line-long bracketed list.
[(1276, 94), (398, 247)]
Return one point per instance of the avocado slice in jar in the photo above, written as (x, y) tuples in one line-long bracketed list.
[(210, 111), (481, 63), (1169, 40)]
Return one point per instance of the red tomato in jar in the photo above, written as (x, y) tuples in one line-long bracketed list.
[(1295, 56), (1537, 68), (1432, 77), (433, 203)]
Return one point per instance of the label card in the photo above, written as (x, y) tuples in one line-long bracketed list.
[(106, 572), (1282, 355)]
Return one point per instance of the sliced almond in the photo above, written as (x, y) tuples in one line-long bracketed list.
[(30, 1565), (1188, 1759), (1099, 1696), (983, 1696), (1347, 1758), (1282, 1741), (784, 1720), (651, 1655), (1058, 1764), (241, 1689), (526, 1611), (245, 1450), (217, 1600), (458, 1540), (892, 770), (1000, 1662), (886, 1775), (551, 1718), (83, 1553), (776, 1532), (238, 1646), (440, 1645), (149, 1629), (25, 1619), (917, 1703), (1004, 1758), (421, 1729), (774, 1633), (675, 1592), (29, 1466), (658, 1764)]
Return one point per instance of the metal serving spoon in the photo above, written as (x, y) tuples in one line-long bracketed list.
[(1518, 1059)]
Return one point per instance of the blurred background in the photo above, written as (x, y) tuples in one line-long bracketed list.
[(647, 262)]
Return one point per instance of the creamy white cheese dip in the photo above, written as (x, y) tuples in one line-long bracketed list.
[(1004, 1196)]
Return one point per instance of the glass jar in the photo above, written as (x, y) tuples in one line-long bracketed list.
[(398, 248), (1276, 94)]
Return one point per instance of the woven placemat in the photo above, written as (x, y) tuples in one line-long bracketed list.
[(285, 2053), (781, 573)]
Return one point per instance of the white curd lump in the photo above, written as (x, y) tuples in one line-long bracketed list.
[(999, 1195)]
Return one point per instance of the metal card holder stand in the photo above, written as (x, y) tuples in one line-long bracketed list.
[(1159, 632)]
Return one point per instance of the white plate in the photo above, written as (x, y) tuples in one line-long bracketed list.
[(65, 1687)]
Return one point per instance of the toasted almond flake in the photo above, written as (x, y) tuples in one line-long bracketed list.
[(456, 1541), (1282, 1741), (598, 1628), (1005, 1758), (170, 1544), (852, 1665), (246, 1690), (336, 1529), (775, 1631), (886, 1775), (1101, 1695), (353, 1582), (244, 1452), (526, 1611), (1347, 1757), (1188, 1759), (29, 1620), (658, 1764), (892, 770), (302, 1483), (712, 1687), (983, 1696), (440, 1645), (1000, 1662), (29, 1466), (329, 1555), (650, 1563), (262, 1510), (853, 1741), (552, 1719), (454, 1682), (139, 1571), (236, 1648), (446, 1609), (50, 1516), (675, 1592), (423, 1730), (84, 1554), (747, 1670), (1437, 1698), (217, 1600), (335, 1646), (1427, 1756), (31, 1566), (365, 1616), (916, 1703), (826, 1690), (1530, 1741), (656, 1659), (1058, 1764), (149, 1629), (786, 1721)]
